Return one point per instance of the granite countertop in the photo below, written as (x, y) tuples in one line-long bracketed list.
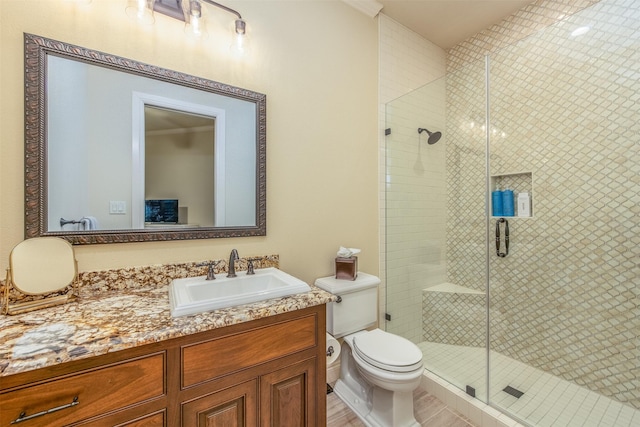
[(103, 323)]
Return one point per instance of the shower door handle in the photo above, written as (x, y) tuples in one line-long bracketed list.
[(506, 238)]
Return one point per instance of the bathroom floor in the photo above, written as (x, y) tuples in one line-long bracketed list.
[(429, 412), (547, 401)]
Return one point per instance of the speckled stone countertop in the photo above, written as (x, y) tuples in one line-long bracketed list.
[(105, 322)]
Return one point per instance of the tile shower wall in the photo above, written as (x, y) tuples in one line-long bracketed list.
[(454, 318), (566, 298), (407, 62), (527, 21)]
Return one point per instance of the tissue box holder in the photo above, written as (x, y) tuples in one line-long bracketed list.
[(347, 268)]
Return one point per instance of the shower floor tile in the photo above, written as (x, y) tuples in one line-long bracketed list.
[(548, 401)]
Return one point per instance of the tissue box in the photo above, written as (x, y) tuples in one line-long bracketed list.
[(347, 268)]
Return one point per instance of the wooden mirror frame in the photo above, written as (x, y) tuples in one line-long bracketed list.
[(36, 50)]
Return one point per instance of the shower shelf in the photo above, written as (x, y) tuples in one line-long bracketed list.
[(519, 182)]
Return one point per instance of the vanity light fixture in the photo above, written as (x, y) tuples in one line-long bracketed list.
[(189, 11)]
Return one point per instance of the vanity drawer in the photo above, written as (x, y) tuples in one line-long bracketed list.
[(207, 360), (95, 391)]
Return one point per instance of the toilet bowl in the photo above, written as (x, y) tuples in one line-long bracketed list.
[(378, 370), (377, 387)]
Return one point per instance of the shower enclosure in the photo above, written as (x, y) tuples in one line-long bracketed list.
[(547, 331)]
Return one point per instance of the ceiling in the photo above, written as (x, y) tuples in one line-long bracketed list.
[(448, 22), (164, 120)]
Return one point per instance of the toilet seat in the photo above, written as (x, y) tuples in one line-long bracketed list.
[(387, 351)]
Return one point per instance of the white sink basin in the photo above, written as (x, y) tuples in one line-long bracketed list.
[(196, 294)]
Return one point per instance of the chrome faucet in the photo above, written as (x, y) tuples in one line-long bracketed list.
[(232, 266)]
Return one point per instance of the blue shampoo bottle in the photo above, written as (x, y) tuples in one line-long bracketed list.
[(507, 203), (496, 203)]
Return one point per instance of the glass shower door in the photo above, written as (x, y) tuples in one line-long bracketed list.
[(435, 225)]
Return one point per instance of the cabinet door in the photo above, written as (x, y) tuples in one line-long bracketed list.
[(288, 396), (231, 407)]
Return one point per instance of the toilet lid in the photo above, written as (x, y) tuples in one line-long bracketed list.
[(388, 351)]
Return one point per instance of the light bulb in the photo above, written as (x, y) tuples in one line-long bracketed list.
[(139, 10), (195, 27), (240, 43)]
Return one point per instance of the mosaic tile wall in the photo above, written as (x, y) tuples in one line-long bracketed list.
[(527, 21), (566, 299), (454, 318)]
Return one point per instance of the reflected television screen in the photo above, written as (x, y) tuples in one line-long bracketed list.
[(161, 211)]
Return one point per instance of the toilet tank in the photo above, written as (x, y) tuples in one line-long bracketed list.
[(358, 306)]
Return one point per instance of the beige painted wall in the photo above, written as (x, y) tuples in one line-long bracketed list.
[(317, 63)]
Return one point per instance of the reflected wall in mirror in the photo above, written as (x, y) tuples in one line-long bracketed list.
[(120, 151), (178, 169)]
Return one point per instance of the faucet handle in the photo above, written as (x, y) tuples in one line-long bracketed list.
[(250, 265), (211, 275), (210, 268)]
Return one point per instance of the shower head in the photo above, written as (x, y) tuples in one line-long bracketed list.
[(433, 136)]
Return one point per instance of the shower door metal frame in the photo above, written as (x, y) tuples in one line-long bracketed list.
[(487, 207)]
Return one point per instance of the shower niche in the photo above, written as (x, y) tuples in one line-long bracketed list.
[(518, 182)]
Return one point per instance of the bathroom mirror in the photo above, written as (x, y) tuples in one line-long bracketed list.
[(120, 151)]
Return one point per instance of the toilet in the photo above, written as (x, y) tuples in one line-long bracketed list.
[(378, 370)]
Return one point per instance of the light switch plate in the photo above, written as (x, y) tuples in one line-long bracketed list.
[(117, 207)]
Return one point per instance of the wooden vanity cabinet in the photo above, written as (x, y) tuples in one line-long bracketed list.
[(266, 372)]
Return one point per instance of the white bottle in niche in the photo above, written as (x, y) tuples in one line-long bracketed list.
[(524, 204)]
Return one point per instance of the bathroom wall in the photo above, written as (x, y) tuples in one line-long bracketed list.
[(408, 62), (72, 85), (317, 63), (562, 111), (166, 179)]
